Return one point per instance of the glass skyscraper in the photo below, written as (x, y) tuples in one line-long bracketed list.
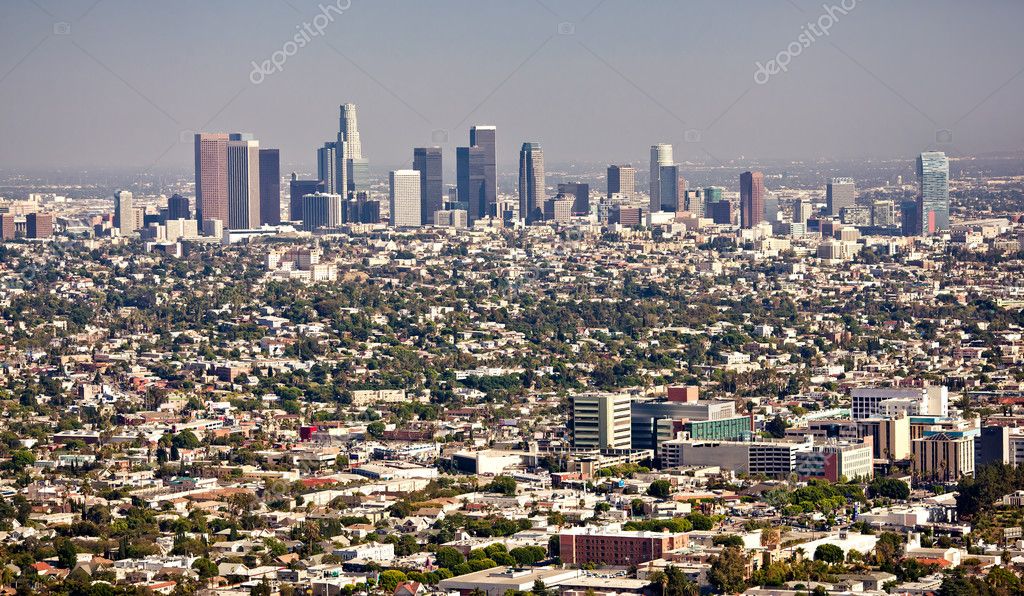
[(427, 161), (933, 202), (531, 182)]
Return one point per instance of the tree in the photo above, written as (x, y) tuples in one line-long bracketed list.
[(728, 573), (699, 521), (67, 554), (205, 567), (889, 550), (829, 553), (539, 589), (776, 427), (261, 589), (660, 489), (185, 440), (376, 429), (505, 485), (389, 580), (891, 488), (448, 557)]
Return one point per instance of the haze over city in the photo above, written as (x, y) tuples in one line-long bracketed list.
[(119, 83)]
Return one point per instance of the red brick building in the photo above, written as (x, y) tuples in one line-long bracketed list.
[(591, 545)]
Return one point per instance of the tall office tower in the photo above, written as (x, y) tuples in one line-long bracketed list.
[(470, 181), (839, 193), (559, 209), (321, 210), (298, 189), (622, 181), (427, 161), (661, 155), (124, 213), (178, 208), (672, 188), (712, 195), (348, 130), (580, 194), (211, 153), (933, 202), (327, 163), (601, 421), (910, 220), (801, 211), (485, 138), (39, 225), (771, 210), (531, 182), (721, 212), (751, 199), (405, 199), (270, 187), (243, 182)]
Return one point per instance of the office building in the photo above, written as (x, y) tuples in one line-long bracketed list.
[(558, 209), (427, 161), (869, 402), (404, 194), (327, 163), (470, 181), (933, 201), (992, 446), (39, 225), (243, 182), (601, 421), (485, 138), (883, 214), (626, 216), (943, 457), (840, 193), (298, 189), (910, 222), (622, 181), (695, 202), (672, 188), (451, 218), (358, 176), (270, 187), (661, 155), (531, 182), (579, 192), (124, 213), (646, 416), (752, 195), (890, 437), (579, 546), (7, 226), (802, 211), (321, 210), (834, 461), (211, 167), (178, 207), (721, 212)]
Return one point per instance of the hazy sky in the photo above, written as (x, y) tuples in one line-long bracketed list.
[(124, 82)]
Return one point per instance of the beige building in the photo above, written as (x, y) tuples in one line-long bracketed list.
[(943, 457), (601, 421)]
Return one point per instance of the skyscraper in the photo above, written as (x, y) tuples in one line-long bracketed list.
[(933, 202), (672, 188), (840, 193), (485, 138), (531, 182), (211, 156), (270, 187), (405, 199), (427, 161), (661, 155), (470, 181), (580, 194), (39, 225), (327, 163), (321, 210), (297, 190), (243, 182), (622, 181), (751, 199), (178, 208), (352, 169), (124, 213)]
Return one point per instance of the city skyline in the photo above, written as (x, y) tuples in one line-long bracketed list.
[(889, 93)]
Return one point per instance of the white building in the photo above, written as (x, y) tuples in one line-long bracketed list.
[(405, 199)]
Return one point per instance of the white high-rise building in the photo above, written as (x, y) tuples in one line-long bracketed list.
[(405, 199), (349, 132), (601, 421), (661, 155), (243, 182), (124, 213)]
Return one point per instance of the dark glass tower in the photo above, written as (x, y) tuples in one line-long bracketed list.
[(751, 199), (470, 181), (270, 187), (484, 137), (531, 182), (427, 161)]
